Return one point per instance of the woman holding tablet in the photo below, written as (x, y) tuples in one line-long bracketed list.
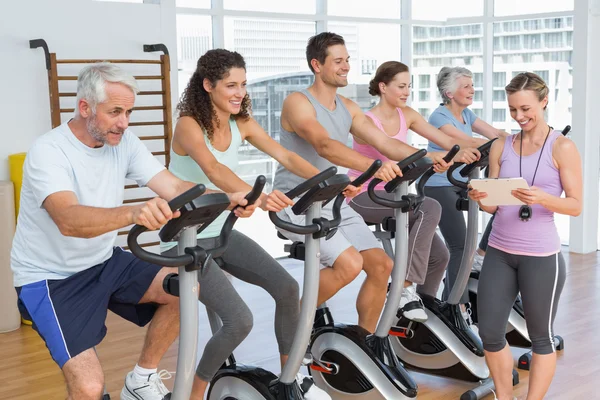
[(524, 247)]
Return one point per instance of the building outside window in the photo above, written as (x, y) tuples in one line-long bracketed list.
[(274, 49)]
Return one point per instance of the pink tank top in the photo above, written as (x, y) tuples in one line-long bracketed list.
[(369, 151), (538, 236)]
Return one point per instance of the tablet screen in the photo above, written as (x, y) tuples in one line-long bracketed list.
[(499, 190)]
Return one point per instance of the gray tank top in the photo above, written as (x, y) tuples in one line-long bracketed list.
[(336, 122)]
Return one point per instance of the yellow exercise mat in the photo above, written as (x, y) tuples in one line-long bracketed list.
[(15, 167)]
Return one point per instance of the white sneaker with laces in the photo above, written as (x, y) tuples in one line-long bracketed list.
[(151, 388), (310, 391), (466, 314), (477, 262), (412, 306)]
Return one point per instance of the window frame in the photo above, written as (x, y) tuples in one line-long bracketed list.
[(428, 31)]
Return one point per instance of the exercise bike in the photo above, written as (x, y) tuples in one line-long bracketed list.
[(348, 361), (236, 381), (445, 345), (197, 212), (516, 329), (233, 381)]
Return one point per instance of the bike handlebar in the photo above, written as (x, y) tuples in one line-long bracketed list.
[(420, 186), (177, 203)]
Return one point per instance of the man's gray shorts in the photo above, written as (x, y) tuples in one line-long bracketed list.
[(352, 231)]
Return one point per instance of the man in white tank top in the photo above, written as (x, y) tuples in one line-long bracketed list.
[(316, 123)]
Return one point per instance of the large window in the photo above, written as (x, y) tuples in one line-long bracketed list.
[(519, 7), (270, 47), (298, 7), (194, 38), (454, 45), (550, 58), (371, 8), (547, 54), (273, 45), (366, 48), (441, 10), (274, 51)]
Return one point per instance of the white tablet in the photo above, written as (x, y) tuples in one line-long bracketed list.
[(499, 190)]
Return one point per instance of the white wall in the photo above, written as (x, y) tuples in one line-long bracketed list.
[(586, 86), (72, 29)]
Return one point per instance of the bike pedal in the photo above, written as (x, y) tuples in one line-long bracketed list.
[(402, 332), (324, 367)]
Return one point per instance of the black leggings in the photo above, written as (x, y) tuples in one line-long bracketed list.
[(247, 261), (540, 281)]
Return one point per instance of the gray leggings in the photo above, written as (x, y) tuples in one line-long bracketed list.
[(245, 260), (454, 230), (540, 281), (428, 255)]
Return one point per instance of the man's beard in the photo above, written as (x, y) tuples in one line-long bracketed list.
[(96, 133)]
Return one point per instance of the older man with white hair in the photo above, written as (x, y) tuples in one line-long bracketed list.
[(67, 272)]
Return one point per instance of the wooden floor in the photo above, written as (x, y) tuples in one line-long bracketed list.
[(28, 373)]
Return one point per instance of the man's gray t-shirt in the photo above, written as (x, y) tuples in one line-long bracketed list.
[(56, 162), (337, 123)]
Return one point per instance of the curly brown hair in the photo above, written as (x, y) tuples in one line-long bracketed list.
[(195, 102)]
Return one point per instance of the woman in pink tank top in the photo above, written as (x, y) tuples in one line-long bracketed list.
[(428, 253), (524, 247)]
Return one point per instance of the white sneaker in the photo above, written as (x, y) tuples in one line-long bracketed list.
[(467, 317), (477, 262), (309, 390), (146, 389), (307, 359), (412, 306)]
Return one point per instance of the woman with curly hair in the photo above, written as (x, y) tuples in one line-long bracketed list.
[(214, 120)]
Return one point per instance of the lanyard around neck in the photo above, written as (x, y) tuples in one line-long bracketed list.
[(539, 158)]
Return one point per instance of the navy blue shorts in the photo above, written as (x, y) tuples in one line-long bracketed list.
[(70, 314)]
